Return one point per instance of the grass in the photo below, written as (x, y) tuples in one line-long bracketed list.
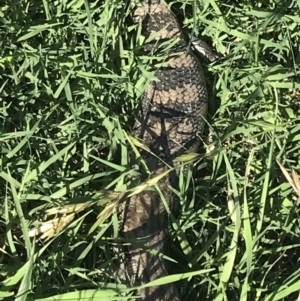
[(71, 74)]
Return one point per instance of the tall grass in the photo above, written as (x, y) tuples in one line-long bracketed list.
[(71, 76)]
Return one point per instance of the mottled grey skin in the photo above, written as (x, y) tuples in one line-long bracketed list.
[(169, 123)]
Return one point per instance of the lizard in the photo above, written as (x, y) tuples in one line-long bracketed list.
[(169, 124)]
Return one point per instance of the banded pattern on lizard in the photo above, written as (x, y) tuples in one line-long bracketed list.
[(169, 123)]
